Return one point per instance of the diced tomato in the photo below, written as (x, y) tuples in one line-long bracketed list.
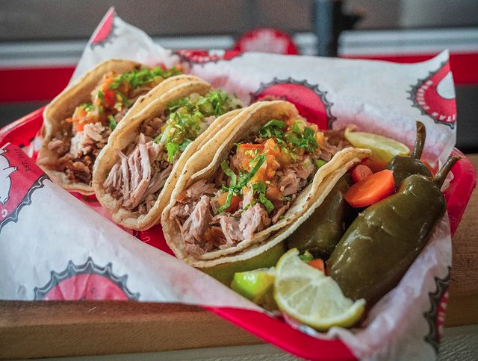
[(79, 114), (108, 98), (317, 264), (271, 148), (234, 202), (246, 153), (361, 172), (247, 146)]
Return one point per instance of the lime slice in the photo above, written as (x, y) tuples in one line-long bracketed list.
[(225, 272), (383, 148), (257, 286), (312, 298)]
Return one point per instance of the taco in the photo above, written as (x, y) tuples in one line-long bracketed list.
[(78, 122), (250, 185), (136, 172)]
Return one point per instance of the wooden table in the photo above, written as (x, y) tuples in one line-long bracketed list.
[(53, 329)]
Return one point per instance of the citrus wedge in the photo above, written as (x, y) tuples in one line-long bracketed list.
[(257, 286), (383, 148), (224, 273), (310, 297)]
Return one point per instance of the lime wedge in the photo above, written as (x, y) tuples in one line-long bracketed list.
[(257, 286), (224, 273), (383, 148), (310, 297)]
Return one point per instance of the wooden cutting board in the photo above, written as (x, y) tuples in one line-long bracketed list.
[(54, 329)]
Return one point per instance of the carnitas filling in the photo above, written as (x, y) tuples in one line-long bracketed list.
[(137, 179), (255, 186), (86, 132)]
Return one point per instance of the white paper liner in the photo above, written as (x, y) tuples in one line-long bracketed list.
[(372, 95)]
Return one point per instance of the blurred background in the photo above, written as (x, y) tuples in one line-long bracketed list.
[(41, 40)]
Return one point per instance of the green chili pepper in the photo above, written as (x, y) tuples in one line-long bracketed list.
[(384, 240), (321, 232), (404, 166)]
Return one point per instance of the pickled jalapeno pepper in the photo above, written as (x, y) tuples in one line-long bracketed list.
[(320, 233), (384, 240), (404, 166)]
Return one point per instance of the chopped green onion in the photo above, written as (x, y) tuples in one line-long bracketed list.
[(112, 122)]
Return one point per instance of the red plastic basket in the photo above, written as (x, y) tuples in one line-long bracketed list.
[(275, 331)]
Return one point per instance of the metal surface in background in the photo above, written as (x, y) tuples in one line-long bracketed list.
[(68, 19)]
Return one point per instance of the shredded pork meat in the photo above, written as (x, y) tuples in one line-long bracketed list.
[(197, 223), (132, 179), (253, 220)]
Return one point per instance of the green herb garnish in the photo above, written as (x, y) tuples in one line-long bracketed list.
[(260, 189), (87, 106), (112, 122), (137, 78), (244, 179), (186, 115), (272, 128)]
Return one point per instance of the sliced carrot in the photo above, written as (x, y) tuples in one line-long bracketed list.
[(361, 172), (317, 264), (371, 190)]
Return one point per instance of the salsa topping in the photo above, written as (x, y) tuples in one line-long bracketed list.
[(254, 186), (86, 132), (138, 177), (190, 116)]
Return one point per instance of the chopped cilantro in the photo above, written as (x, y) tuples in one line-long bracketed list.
[(294, 137), (186, 115), (305, 140), (319, 163), (306, 256), (267, 203), (227, 171), (137, 78), (296, 128), (101, 95), (172, 148), (112, 122), (272, 128), (260, 189), (87, 106), (244, 179)]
